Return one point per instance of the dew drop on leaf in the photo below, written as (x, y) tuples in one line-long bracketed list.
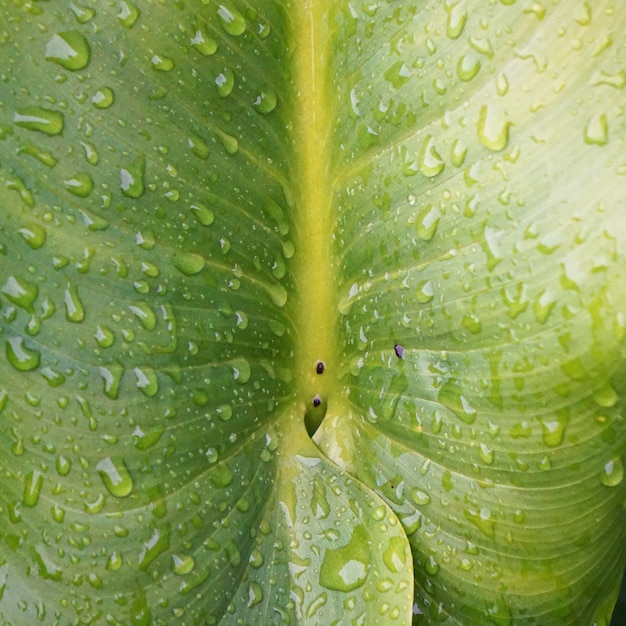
[(225, 82), (162, 63), (69, 49), (115, 476), (131, 178), (20, 292), (346, 568), (128, 14), (20, 357), (182, 565), (147, 380), (597, 130), (255, 594), (492, 133), (189, 263), (266, 101), (613, 473), (33, 482), (103, 98), (79, 185), (46, 121), (33, 234), (74, 311), (231, 19), (203, 43)]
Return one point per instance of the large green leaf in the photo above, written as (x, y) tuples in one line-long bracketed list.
[(397, 226)]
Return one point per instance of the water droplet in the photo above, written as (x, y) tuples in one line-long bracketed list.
[(58, 513), (198, 146), (420, 497), (20, 292), (203, 43), (425, 292), (398, 74), (451, 395), (395, 555), (502, 84), (74, 311), (189, 263), (33, 234), (515, 300), (103, 98), (104, 336), (221, 476), (128, 14), (63, 465), (277, 293), (37, 118), (471, 323), (158, 543), (131, 179), (617, 80), (147, 380), (346, 568), (20, 357), (182, 565), (456, 21), (112, 376), (606, 396), (43, 156), (543, 306), (33, 482), (144, 314), (430, 163), (255, 594), (483, 520), (225, 81), (144, 441), (90, 152), (162, 63), (274, 211), (230, 143), (554, 429), (224, 411), (431, 566), (79, 185), (467, 67), (82, 14), (241, 370), (597, 130), (114, 562), (492, 134), (458, 153), (485, 453), (69, 49), (427, 222), (613, 473), (266, 101), (232, 21), (115, 476)]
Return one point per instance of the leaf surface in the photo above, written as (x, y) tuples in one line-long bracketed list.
[(400, 227)]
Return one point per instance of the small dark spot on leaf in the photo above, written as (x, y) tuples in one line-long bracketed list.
[(317, 401), (399, 350), (320, 367)]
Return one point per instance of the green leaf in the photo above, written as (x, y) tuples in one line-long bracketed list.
[(312, 313)]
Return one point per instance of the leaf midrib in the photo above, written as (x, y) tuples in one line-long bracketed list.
[(314, 299)]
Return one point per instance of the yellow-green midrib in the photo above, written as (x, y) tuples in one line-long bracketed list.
[(314, 301)]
